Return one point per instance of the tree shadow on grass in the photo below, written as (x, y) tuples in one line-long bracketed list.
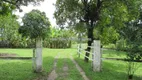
[(111, 70), (22, 69)]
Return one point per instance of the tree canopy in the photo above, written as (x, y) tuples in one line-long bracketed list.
[(73, 11), (35, 24), (96, 13), (7, 6), (18, 3)]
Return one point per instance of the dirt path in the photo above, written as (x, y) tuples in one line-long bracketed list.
[(53, 75), (62, 73), (80, 69)]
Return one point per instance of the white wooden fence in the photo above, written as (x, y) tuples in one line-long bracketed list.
[(96, 55)]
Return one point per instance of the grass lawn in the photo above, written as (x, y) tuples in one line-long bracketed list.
[(113, 54), (22, 69), (111, 69)]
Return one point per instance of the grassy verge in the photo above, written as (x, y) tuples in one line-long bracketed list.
[(16, 70), (19, 52), (22, 69), (111, 69), (108, 53)]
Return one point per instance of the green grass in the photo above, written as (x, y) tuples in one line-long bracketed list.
[(19, 52), (111, 69), (110, 46), (108, 53), (22, 69), (16, 70), (72, 73)]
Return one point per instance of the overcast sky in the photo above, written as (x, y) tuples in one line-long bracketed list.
[(46, 6)]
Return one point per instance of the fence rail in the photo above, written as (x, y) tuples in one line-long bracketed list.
[(80, 49), (90, 46), (96, 55)]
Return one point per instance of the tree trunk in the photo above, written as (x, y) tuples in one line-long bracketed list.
[(38, 54), (130, 77), (91, 17), (90, 40)]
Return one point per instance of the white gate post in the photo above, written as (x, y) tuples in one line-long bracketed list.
[(34, 63), (96, 56), (79, 49), (38, 59)]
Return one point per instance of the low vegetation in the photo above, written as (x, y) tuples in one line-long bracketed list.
[(21, 69)]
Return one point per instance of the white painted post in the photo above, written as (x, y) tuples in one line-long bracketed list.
[(96, 56), (38, 60), (79, 49), (34, 64)]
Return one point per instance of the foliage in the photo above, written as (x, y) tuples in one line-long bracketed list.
[(110, 46), (20, 2), (35, 24), (73, 11), (58, 39), (132, 32), (107, 35), (80, 27), (8, 29), (132, 67), (7, 6), (121, 45), (101, 13), (133, 55), (9, 36)]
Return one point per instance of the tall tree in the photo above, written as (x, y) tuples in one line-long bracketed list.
[(7, 6), (8, 29), (18, 3), (36, 26), (94, 13)]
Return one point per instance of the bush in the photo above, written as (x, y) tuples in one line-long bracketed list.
[(57, 43), (121, 45), (110, 46), (4, 44)]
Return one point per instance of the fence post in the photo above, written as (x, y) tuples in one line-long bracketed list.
[(78, 50), (34, 59), (38, 59), (96, 56)]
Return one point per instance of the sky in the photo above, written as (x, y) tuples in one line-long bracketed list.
[(46, 6)]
